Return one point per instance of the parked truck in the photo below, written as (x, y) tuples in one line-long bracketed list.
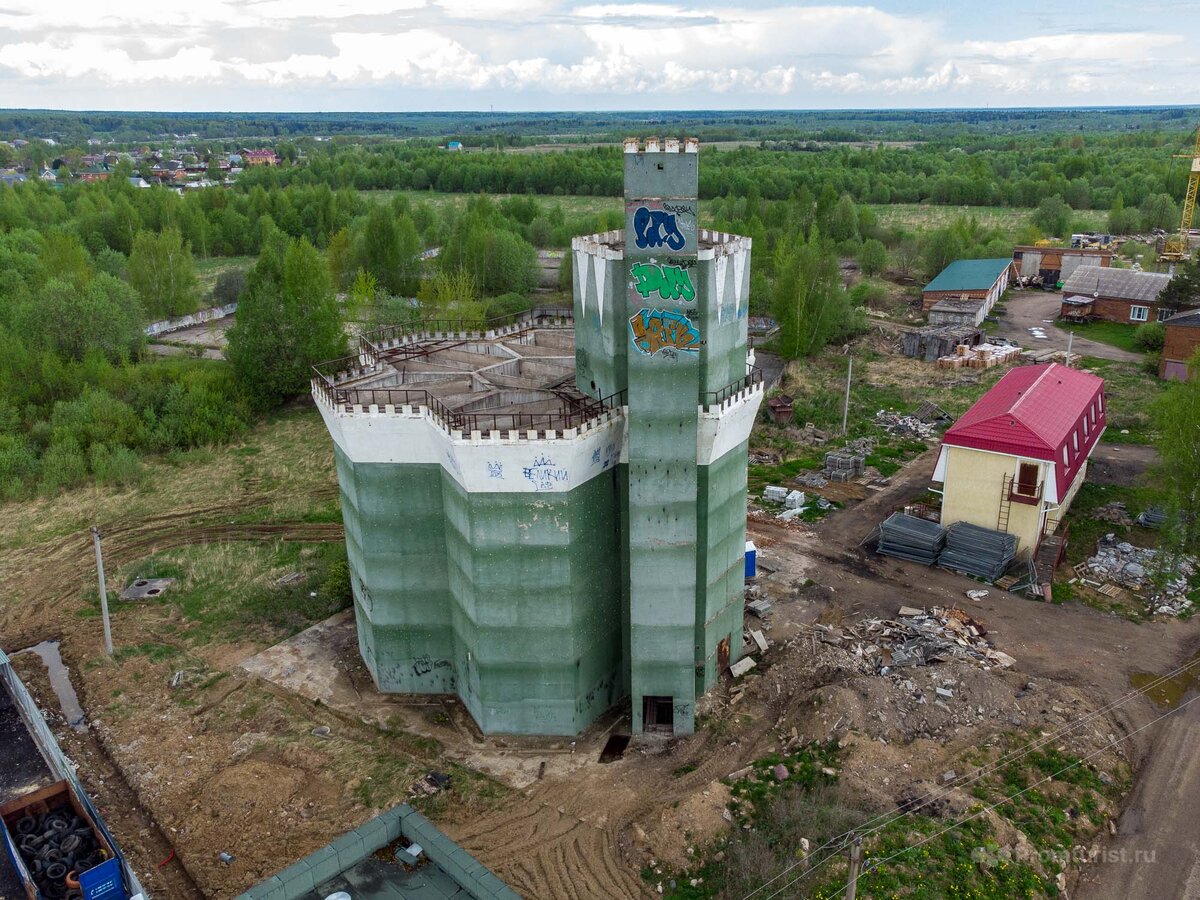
[(56, 845)]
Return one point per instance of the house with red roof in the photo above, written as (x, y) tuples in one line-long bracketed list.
[(1016, 459)]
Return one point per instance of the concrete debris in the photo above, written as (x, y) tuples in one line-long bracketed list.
[(759, 639), (812, 479), (1114, 512), (146, 588), (794, 499), (948, 777), (1119, 562), (742, 666), (976, 595), (760, 607), (895, 423), (775, 494), (788, 514), (944, 692), (917, 638), (781, 772)]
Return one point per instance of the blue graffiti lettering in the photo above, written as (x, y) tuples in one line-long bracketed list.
[(495, 469), (654, 227), (544, 475)]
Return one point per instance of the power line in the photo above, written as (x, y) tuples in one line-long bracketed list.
[(876, 864), (886, 819)]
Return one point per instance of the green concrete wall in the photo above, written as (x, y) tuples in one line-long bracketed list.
[(723, 359), (510, 600), (601, 340), (720, 566), (663, 421)]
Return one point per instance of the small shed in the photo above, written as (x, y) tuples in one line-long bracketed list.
[(779, 408)]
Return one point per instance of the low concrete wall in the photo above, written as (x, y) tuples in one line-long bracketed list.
[(352, 848)]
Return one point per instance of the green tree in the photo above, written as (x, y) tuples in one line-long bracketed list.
[(810, 303), (1183, 290), (161, 270), (1177, 417), (942, 247), (103, 315), (389, 247), (287, 320), (872, 257), (1053, 216), (1160, 211)]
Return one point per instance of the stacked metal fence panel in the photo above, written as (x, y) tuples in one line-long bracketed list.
[(981, 552), (908, 537)]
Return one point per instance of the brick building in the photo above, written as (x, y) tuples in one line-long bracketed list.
[(1115, 295), (981, 280), (1182, 340)]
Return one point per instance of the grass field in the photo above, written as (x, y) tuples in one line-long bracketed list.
[(207, 271), (1006, 218), (1115, 334)]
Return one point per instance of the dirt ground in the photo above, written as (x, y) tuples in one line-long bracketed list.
[(213, 748), (1039, 309)]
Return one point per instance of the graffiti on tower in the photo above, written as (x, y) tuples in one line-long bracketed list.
[(669, 282), (656, 228), (655, 330), (544, 475)]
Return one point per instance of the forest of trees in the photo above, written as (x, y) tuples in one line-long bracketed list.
[(85, 267)]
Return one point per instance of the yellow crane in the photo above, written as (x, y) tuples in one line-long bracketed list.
[(1177, 248)]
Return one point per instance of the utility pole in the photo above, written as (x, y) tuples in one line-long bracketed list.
[(103, 591), (1070, 340), (846, 402), (855, 866)]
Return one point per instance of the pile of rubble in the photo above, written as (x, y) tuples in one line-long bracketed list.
[(1119, 562), (894, 423), (1114, 512), (917, 637)]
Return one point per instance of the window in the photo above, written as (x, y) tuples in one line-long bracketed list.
[(1139, 313), (1100, 401), (1085, 424), (1075, 439), (1066, 461)]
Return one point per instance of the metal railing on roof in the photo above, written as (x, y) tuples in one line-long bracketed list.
[(716, 398)]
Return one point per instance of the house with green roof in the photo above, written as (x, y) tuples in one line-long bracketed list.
[(970, 286)]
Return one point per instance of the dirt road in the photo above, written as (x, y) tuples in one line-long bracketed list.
[(1039, 309), (1157, 849)]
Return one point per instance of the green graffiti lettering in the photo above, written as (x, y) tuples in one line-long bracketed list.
[(669, 282)]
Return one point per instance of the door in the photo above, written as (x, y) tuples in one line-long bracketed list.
[(658, 715)]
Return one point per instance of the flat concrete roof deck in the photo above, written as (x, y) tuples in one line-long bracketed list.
[(520, 377)]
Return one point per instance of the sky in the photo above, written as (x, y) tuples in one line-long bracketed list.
[(403, 55)]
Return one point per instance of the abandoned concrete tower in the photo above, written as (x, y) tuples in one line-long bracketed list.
[(547, 515)]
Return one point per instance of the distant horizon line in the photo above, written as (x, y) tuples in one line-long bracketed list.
[(613, 112)]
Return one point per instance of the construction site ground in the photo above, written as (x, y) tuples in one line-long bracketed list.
[(225, 725)]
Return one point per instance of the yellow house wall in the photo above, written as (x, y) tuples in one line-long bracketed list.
[(1056, 516), (974, 486)]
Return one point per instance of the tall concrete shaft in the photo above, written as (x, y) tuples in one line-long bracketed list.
[(686, 507)]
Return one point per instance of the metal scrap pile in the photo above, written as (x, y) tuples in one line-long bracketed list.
[(917, 637), (1119, 562)]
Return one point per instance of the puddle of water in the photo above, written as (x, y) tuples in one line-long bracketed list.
[(60, 680), (1170, 693)]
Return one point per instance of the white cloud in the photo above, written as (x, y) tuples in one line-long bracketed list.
[(657, 52)]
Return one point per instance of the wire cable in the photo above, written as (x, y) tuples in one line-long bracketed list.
[(871, 825), (877, 863)]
